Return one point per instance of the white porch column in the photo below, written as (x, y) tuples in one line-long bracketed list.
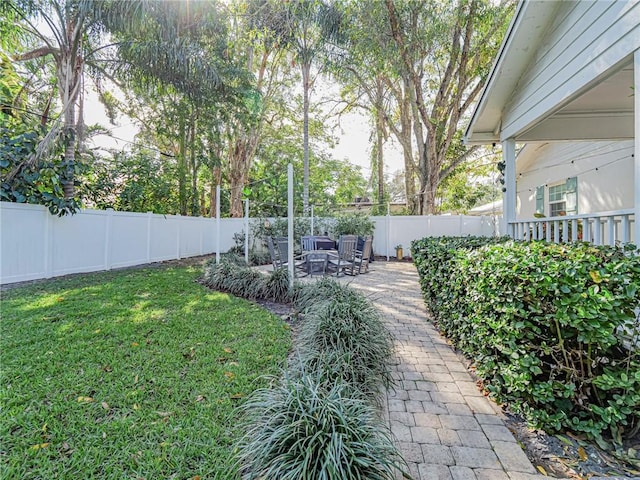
[(509, 200), (636, 133)]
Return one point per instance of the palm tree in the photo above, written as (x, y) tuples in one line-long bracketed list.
[(311, 26), (73, 34)]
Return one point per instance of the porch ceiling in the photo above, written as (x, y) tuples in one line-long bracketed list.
[(603, 112)]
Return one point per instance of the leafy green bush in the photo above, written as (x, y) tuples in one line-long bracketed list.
[(299, 429), (553, 329), (354, 224)]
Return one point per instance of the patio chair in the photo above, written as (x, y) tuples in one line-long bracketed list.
[(283, 251), (308, 243), (345, 260), (363, 256), (317, 263), (275, 255)]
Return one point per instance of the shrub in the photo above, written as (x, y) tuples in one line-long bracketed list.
[(354, 224), (301, 430), (242, 281), (553, 329), (277, 286), (343, 337)]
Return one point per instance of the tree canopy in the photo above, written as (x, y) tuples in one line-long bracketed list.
[(222, 93)]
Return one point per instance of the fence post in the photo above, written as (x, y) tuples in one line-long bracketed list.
[(246, 231), (149, 216), (107, 240), (388, 225), (180, 220), (201, 226), (217, 224), (48, 246), (290, 223)]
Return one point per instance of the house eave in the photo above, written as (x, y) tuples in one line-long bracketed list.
[(530, 21)]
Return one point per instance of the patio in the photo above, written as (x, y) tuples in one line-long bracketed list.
[(445, 427)]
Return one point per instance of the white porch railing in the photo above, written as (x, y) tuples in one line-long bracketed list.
[(602, 228)]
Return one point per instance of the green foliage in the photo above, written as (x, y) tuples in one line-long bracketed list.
[(233, 276), (300, 429), (40, 183), (553, 329), (354, 224), (344, 337), (138, 181), (129, 373)]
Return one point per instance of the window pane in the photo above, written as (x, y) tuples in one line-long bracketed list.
[(557, 208), (557, 193)]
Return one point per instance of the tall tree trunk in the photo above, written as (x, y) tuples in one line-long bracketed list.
[(69, 76), (195, 165), (237, 179), (182, 167), (381, 136), (306, 86)]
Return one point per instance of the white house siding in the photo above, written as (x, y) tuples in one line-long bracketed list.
[(586, 40), (608, 188)]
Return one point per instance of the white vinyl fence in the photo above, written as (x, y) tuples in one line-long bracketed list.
[(402, 230), (35, 244)]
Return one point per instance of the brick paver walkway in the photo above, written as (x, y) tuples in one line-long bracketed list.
[(445, 427)]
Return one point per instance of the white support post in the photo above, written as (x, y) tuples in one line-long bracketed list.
[(509, 158), (636, 133), (290, 222), (217, 224), (149, 218), (48, 245), (246, 231), (180, 220), (388, 225), (312, 220)]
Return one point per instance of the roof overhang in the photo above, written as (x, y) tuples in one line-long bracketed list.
[(602, 110), (524, 34)]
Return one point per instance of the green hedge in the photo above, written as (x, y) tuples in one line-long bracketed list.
[(551, 327)]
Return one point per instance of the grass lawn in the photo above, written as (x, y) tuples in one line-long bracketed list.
[(128, 375)]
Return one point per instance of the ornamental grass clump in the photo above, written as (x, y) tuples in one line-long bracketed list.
[(245, 282), (553, 329), (344, 336), (321, 420), (277, 286), (301, 430)]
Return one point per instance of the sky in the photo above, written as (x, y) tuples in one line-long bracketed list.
[(352, 143)]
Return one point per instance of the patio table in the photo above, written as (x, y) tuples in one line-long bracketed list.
[(324, 242), (317, 260)]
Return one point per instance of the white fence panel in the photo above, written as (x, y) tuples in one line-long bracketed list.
[(35, 244), (190, 233), (24, 244), (127, 240), (228, 228), (78, 243), (402, 230), (164, 237)]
